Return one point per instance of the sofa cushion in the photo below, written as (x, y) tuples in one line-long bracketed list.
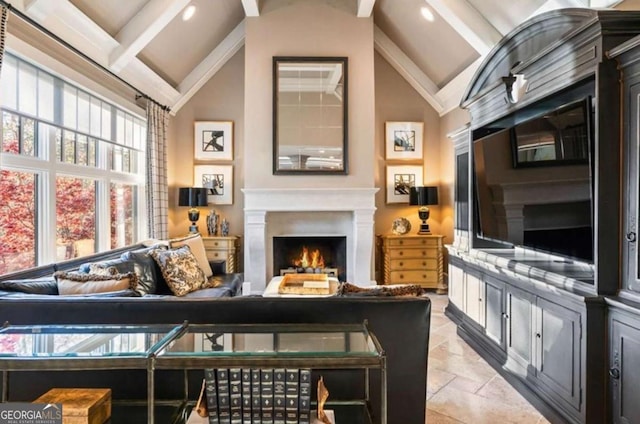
[(196, 245), (76, 283), (150, 279), (44, 285), (180, 270)]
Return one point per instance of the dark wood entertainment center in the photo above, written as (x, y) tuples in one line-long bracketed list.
[(564, 332)]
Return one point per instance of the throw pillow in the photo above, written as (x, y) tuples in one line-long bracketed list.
[(101, 269), (74, 283), (121, 265), (197, 248), (150, 279), (180, 270)]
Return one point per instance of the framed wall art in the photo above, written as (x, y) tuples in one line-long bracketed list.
[(400, 178), (218, 179), (403, 140), (213, 140)]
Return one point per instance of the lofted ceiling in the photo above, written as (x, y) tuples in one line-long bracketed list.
[(149, 45)]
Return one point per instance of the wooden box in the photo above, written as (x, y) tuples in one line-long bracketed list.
[(80, 406), (315, 284)]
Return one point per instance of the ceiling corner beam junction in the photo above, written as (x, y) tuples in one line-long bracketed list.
[(365, 8), (251, 8)]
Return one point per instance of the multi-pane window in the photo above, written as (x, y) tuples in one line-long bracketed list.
[(72, 170)]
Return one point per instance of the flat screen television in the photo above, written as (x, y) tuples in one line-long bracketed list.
[(532, 180)]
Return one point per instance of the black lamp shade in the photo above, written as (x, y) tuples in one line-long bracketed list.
[(192, 196), (423, 196)]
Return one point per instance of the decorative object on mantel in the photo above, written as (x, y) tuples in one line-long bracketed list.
[(400, 179), (403, 140), (423, 197), (193, 197), (224, 228), (213, 140), (400, 226), (218, 179), (212, 223)]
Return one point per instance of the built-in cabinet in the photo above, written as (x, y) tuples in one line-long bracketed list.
[(565, 333), (624, 309), (538, 341)]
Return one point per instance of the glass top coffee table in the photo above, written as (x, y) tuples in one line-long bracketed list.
[(198, 346)]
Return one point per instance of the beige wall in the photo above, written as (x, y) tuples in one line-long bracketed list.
[(220, 99), (308, 28), (396, 100)]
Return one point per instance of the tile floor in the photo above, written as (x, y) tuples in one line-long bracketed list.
[(461, 387)]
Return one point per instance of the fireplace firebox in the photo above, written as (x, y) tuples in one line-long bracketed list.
[(310, 254)]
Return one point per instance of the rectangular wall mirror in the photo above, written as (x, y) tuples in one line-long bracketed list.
[(310, 115)]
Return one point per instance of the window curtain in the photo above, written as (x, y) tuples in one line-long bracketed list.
[(3, 33), (157, 186)]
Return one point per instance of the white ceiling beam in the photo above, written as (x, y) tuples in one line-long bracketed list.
[(41, 9), (77, 29), (406, 68), (558, 4), (142, 28), (209, 66), (468, 22), (451, 94), (251, 8), (365, 8)]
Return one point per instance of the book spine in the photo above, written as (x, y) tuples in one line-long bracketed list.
[(256, 403), (246, 396), (279, 392), (304, 405), (266, 395), (291, 396), (235, 398), (224, 400), (211, 391)]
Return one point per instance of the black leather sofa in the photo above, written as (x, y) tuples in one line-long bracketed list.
[(400, 323)]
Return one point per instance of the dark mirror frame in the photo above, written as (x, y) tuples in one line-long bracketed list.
[(345, 157)]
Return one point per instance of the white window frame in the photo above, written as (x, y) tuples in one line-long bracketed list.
[(46, 166)]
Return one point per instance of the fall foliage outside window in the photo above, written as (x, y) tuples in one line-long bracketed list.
[(72, 170)]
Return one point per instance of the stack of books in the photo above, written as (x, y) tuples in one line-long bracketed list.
[(258, 396)]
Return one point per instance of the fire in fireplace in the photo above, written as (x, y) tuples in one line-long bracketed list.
[(310, 254)]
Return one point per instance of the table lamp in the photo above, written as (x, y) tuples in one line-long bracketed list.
[(193, 197), (423, 196)]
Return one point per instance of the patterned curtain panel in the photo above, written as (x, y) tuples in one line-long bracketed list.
[(3, 31), (157, 186)]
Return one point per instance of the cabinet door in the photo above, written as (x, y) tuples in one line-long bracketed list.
[(631, 197), (494, 311), (520, 329), (474, 298), (456, 286), (558, 352), (624, 372)]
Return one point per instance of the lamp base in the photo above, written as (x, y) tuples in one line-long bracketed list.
[(193, 228), (424, 229)]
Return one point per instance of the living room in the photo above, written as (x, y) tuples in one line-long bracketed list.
[(237, 89)]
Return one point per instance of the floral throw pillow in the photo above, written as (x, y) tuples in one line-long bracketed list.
[(180, 270)]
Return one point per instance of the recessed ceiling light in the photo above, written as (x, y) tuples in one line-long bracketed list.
[(188, 12), (427, 14)]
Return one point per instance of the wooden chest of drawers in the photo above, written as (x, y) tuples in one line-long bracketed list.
[(225, 249), (414, 260)]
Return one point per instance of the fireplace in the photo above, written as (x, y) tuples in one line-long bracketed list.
[(278, 212), (310, 254)]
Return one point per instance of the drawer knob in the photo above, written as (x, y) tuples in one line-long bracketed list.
[(538, 335), (424, 276), (424, 253), (401, 276), (215, 243), (401, 263), (400, 253), (401, 242), (215, 254), (424, 264)]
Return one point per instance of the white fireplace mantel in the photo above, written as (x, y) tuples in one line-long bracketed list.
[(359, 202)]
